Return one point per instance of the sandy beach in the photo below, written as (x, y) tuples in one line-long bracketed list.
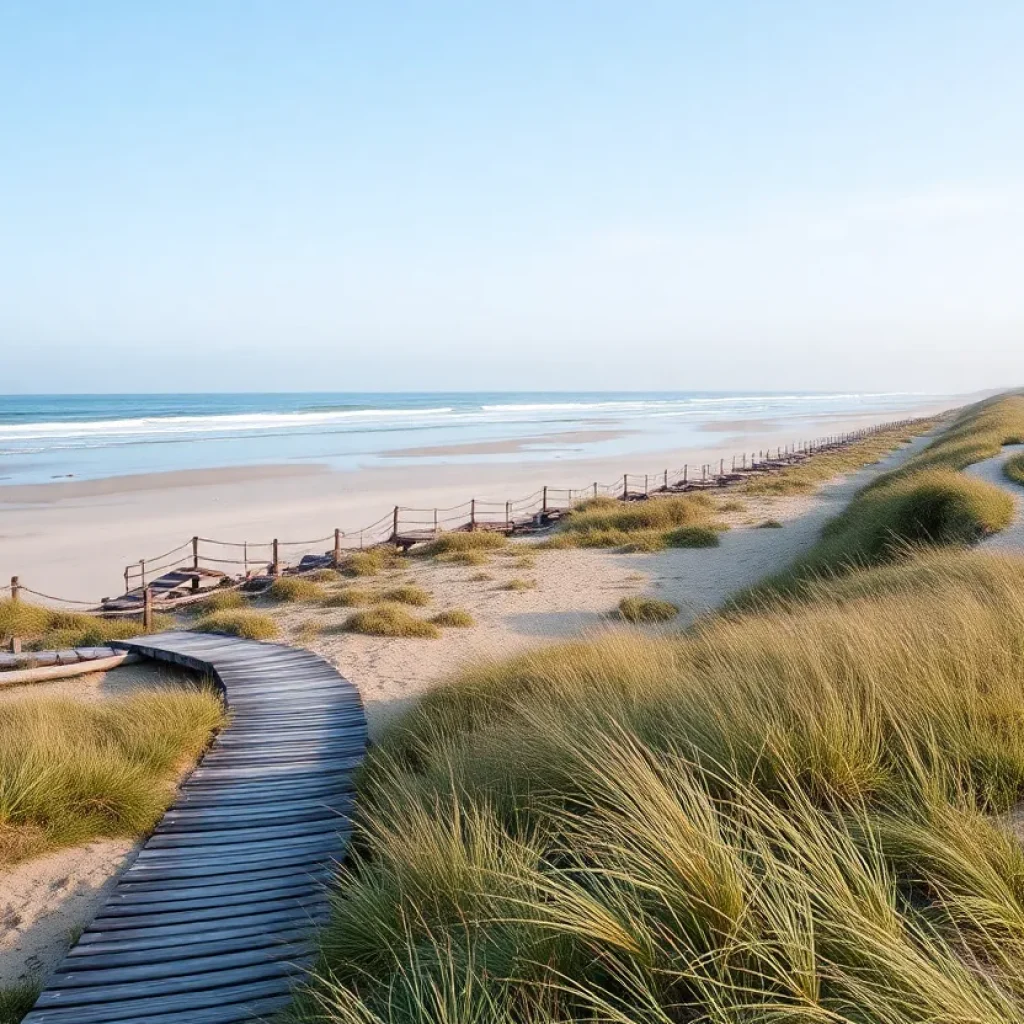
[(73, 538)]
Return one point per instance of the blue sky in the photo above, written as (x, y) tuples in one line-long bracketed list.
[(237, 194)]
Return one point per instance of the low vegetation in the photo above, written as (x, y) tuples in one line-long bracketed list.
[(460, 542), (391, 620), (45, 629), (769, 524), (218, 601), (642, 610), (516, 583), (457, 618), (1014, 469), (373, 562), (17, 1000), (242, 622), (406, 594), (792, 815), (292, 589), (72, 771), (346, 597)]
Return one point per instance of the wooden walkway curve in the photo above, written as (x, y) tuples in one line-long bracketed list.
[(216, 916)]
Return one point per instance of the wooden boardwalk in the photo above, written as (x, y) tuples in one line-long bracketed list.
[(217, 914)]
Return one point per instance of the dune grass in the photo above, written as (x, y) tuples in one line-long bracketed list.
[(347, 597), (453, 618), (294, 589), (43, 629), (71, 771), (807, 476), (517, 583), (1014, 469), (790, 815), (391, 620), (644, 610), (218, 601), (407, 594), (17, 1000), (243, 622), (769, 524), (460, 542), (927, 502), (372, 561)]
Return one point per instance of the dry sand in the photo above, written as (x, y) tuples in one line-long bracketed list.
[(74, 538), (46, 901)]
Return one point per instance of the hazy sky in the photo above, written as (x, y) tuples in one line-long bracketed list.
[(301, 195)]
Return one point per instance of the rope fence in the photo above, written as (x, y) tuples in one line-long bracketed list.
[(219, 560)]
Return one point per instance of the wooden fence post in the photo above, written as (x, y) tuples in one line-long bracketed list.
[(15, 645), (435, 522), (595, 488), (15, 589), (646, 486), (142, 573), (544, 501), (686, 469), (126, 579), (472, 514), (195, 563), (508, 516), (394, 526), (666, 479), (275, 564), (625, 486), (336, 553), (147, 609)]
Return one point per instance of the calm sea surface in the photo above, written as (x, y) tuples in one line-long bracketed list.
[(48, 437)]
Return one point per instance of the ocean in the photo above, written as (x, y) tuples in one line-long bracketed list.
[(58, 437)]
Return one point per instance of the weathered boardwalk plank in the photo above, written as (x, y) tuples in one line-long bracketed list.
[(216, 916)]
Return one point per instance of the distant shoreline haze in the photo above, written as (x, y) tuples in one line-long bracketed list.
[(90, 437)]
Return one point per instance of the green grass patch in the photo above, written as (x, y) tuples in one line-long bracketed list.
[(642, 610), (391, 620), (769, 524), (451, 547), (694, 537), (407, 594), (251, 625), (72, 771), (218, 602), (457, 618), (293, 589), (43, 629)]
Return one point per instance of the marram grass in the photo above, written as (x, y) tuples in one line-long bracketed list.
[(72, 770), (786, 816), (243, 622), (1014, 468), (44, 629)]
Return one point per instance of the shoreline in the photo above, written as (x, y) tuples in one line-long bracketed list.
[(74, 538)]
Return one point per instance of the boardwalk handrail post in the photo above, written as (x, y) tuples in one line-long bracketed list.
[(435, 522), (336, 553), (142, 573), (625, 486), (472, 514), (126, 584), (275, 564), (666, 479), (147, 609), (544, 501), (595, 488), (15, 589), (394, 526), (508, 516), (195, 563)]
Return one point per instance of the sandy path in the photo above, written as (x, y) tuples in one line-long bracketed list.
[(46, 901), (575, 591), (991, 470)]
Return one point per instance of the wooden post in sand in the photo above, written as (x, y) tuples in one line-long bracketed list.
[(435, 522), (336, 553), (544, 501), (472, 514), (595, 488), (646, 486), (142, 573), (508, 516), (147, 609), (394, 526), (195, 563), (275, 562), (15, 589), (666, 479), (625, 486)]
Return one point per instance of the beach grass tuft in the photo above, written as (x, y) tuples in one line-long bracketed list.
[(346, 597), (390, 620), (642, 610), (373, 561), (243, 622), (769, 524), (44, 629), (16, 1000), (460, 543), (1014, 468), (518, 583), (294, 589), (406, 594), (72, 770), (457, 618), (218, 602)]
